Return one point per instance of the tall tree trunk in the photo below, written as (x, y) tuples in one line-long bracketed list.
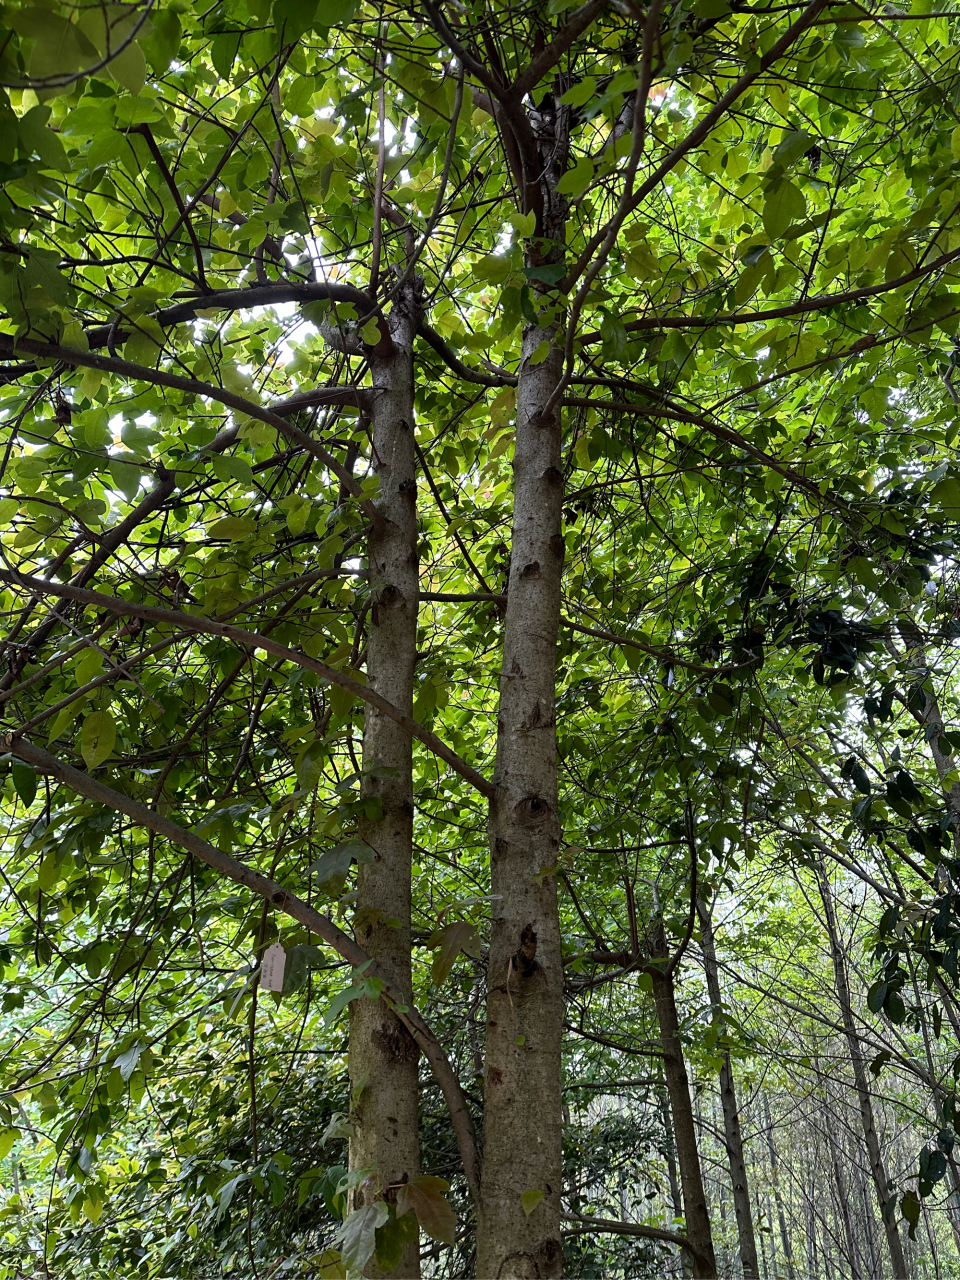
[(383, 1057), (695, 1213), (777, 1196), (733, 1139), (870, 1136), (843, 1201), (676, 1196), (522, 1085)]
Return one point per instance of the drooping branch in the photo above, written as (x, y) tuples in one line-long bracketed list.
[(821, 302), (726, 434), (456, 365), (160, 378), (256, 640), (285, 901)]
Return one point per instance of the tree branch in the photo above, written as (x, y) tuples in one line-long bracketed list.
[(159, 378), (806, 305), (291, 905), (623, 1229), (256, 640), (548, 58)]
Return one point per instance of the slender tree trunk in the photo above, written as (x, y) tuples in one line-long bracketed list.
[(695, 1213), (843, 1203), (874, 1154), (676, 1196), (733, 1138), (522, 1085), (811, 1233), (777, 1196), (383, 1057)]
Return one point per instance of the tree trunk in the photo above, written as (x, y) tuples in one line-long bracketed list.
[(383, 1057), (522, 1086), (676, 1197), (733, 1139), (874, 1154), (696, 1216), (777, 1197)]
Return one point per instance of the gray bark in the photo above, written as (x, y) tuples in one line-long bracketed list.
[(778, 1198), (522, 1085), (382, 1052), (696, 1216), (871, 1139), (733, 1138)]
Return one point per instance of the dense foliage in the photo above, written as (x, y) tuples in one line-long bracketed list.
[(208, 217)]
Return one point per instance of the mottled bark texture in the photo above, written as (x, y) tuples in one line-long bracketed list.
[(733, 1138), (382, 1052), (870, 1136), (522, 1086), (695, 1214)]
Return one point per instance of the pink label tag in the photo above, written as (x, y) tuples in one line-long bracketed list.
[(271, 968)]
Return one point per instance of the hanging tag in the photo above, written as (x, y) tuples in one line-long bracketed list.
[(271, 968)]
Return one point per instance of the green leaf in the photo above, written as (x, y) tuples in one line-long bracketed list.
[(24, 782), (946, 494), (580, 93), (426, 1197), (126, 475), (357, 1236), (129, 68), (341, 1000), (97, 737), (106, 146), (233, 527), (792, 146), (293, 17), (876, 996), (7, 1138), (910, 1208), (576, 180), (127, 1062), (331, 868), (163, 43), (614, 337), (784, 205), (301, 958), (392, 1237), (530, 1199), (451, 940), (332, 13)]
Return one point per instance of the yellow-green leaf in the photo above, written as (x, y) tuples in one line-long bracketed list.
[(530, 1199), (233, 527), (784, 205), (576, 180), (97, 737)]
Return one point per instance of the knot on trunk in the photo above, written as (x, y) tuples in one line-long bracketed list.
[(531, 811), (524, 959), (395, 1043), (388, 597), (558, 546), (553, 475), (531, 570)]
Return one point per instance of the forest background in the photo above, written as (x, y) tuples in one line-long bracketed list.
[(479, 603)]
